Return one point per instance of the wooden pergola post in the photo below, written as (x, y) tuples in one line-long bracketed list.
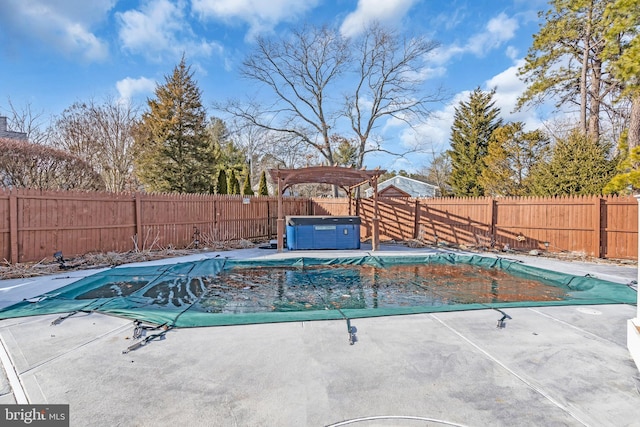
[(280, 220), (375, 238)]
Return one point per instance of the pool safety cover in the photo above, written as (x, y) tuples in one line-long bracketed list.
[(229, 292)]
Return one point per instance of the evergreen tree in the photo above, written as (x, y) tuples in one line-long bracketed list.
[(346, 151), (511, 155), (578, 166), (627, 178), (246, 189), (622, 50), (566, 61), (221, 188), (234, 184), (232, 158), (172, 145), (263, 190), (474, 122)]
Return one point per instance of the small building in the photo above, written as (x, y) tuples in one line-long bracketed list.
[(401, 186), (5, 133)]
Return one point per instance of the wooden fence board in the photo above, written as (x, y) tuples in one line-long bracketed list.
[(5, 226), (330, 206), (77, 222), (590, 225)]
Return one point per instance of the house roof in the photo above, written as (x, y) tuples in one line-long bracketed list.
[(6, 133), (411, 186)]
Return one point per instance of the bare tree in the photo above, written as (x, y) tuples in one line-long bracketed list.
[(389, 85), (438, 172), (267, 148), (26, 165), (24, 119), (100, 134), (298, 71), (310, 73)]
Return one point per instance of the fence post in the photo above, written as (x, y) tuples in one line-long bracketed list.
[(13, 226), (597, 227), (138, 212), (216, 233), (492, 221), (269, 233), (416, 220)]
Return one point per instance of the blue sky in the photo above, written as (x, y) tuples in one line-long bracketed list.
[(57, 52)]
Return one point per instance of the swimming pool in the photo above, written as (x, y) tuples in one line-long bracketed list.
[(228, 291)]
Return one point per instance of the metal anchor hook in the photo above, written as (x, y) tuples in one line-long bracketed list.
[(352, 333), (501, 322)]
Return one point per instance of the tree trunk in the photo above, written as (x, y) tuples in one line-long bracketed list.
[(633, 137), (583, 76)]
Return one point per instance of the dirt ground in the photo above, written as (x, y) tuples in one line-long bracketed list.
[(50, 265)]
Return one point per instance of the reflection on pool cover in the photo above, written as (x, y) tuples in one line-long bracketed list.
[(216, 292), (250, 290)]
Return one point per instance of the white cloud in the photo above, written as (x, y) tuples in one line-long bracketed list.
[(512, 53), (152, 27), (260, 15), (508, 88), (450, 19), (369, 11), (433, 135), (498, 31), (65, 24), (129, 87), (160, 27)]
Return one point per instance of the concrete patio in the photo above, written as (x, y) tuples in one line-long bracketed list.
[(565, 366)]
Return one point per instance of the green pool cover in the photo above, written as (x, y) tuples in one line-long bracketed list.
[(229, 292)]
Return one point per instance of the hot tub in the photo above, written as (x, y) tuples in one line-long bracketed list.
[(323, 232)]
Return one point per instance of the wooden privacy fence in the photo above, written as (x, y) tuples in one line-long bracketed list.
[(36, 224), (603, 227)]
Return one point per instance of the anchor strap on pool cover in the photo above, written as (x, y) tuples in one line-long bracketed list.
[(351, 330), (228, 292)]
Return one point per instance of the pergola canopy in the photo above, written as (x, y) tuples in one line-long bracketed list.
[(344, 177)]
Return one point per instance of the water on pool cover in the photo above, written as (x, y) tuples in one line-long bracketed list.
[(326, 287)]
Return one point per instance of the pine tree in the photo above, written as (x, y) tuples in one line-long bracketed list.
[(221, 188), (346, 151), (622, 50), (566, 62), (511, 155), (234, 185), (578, 166), (246, 189), (627, 179), (474, 122), (172, 145), (263, 190)]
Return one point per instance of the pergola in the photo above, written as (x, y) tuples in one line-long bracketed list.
[(343, 177)]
